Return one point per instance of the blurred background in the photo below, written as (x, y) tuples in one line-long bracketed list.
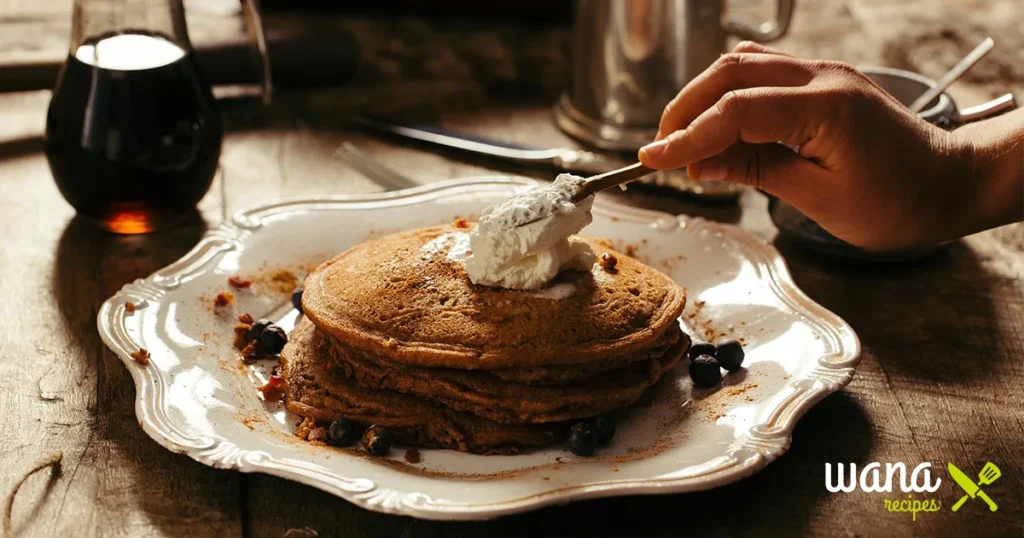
[(462, 46), (494, 68)]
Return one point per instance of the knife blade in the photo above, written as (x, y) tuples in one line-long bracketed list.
[(963, 480), (564, 159)]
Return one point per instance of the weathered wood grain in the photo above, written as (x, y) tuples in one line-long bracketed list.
[(60, 389), (941, 380)]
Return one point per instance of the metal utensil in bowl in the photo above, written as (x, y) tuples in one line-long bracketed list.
[(953, 74)]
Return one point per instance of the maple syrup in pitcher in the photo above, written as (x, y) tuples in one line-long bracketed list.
[(133, 134)]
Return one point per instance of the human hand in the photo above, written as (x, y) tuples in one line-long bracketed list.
[(868, 170)]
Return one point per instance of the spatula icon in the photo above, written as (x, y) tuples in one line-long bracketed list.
[(989, 473)]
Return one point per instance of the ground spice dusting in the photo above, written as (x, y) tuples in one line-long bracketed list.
[(282, 281), (461, 223), (740, 389)]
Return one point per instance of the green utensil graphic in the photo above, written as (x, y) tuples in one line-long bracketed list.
[(989, 473)]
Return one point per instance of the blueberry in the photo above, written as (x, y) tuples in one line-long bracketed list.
[(583, 438), (730, 355), (605, 430), (377, 441), (342, 432), (273, 339), (705, 372), (297, 299), (258, 328), (697, 350)]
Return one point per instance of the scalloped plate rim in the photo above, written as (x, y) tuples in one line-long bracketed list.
[(385, 500)]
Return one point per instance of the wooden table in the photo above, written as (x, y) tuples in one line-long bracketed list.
[(941, 379)]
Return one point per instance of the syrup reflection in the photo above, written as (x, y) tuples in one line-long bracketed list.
[(91, 265)]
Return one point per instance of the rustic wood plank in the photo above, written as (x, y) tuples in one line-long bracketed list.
[(943, 337), (60, 389)]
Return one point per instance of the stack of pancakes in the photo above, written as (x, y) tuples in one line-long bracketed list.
[(395, 334)]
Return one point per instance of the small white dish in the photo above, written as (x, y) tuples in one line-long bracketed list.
[(195, 397)]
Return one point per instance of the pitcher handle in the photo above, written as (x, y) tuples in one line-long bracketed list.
[(766, 31)]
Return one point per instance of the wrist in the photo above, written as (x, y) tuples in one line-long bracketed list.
[(993, 155), (951, 204)]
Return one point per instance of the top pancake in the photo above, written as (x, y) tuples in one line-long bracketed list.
[(406, 297)]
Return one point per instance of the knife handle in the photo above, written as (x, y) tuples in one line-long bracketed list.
[(960, 503), (991, 505)]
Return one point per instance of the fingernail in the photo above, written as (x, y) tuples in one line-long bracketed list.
[(654, 149), (710, 172)]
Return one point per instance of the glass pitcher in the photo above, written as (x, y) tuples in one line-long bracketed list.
[(133, 134)]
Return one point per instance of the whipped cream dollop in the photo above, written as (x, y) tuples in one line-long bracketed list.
[(526, 240)]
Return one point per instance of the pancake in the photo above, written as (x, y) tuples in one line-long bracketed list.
[(406, 298), (576, 373), (485, 395), (317, 388)]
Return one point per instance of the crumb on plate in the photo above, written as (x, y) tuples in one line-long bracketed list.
[(224, 298), (239, 282), (141, 356)]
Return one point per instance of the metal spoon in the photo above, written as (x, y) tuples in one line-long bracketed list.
[(600, 182), (953, 74), (594, 184)]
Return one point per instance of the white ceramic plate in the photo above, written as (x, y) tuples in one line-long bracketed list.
[(196, 398)]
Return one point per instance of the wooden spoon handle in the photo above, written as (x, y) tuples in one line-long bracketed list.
[(603, 181)]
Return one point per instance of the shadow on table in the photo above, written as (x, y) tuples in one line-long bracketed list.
[(17, 147), (922, 318), (92, 265)]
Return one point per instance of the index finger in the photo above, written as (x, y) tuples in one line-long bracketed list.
[(756, 115), (754, 46), (730, 72)]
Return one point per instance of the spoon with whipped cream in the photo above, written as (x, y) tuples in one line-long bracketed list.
[(527, 239), (594, 184), (589, 186)]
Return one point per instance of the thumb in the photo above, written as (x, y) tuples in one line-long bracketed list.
[(772, 168)]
